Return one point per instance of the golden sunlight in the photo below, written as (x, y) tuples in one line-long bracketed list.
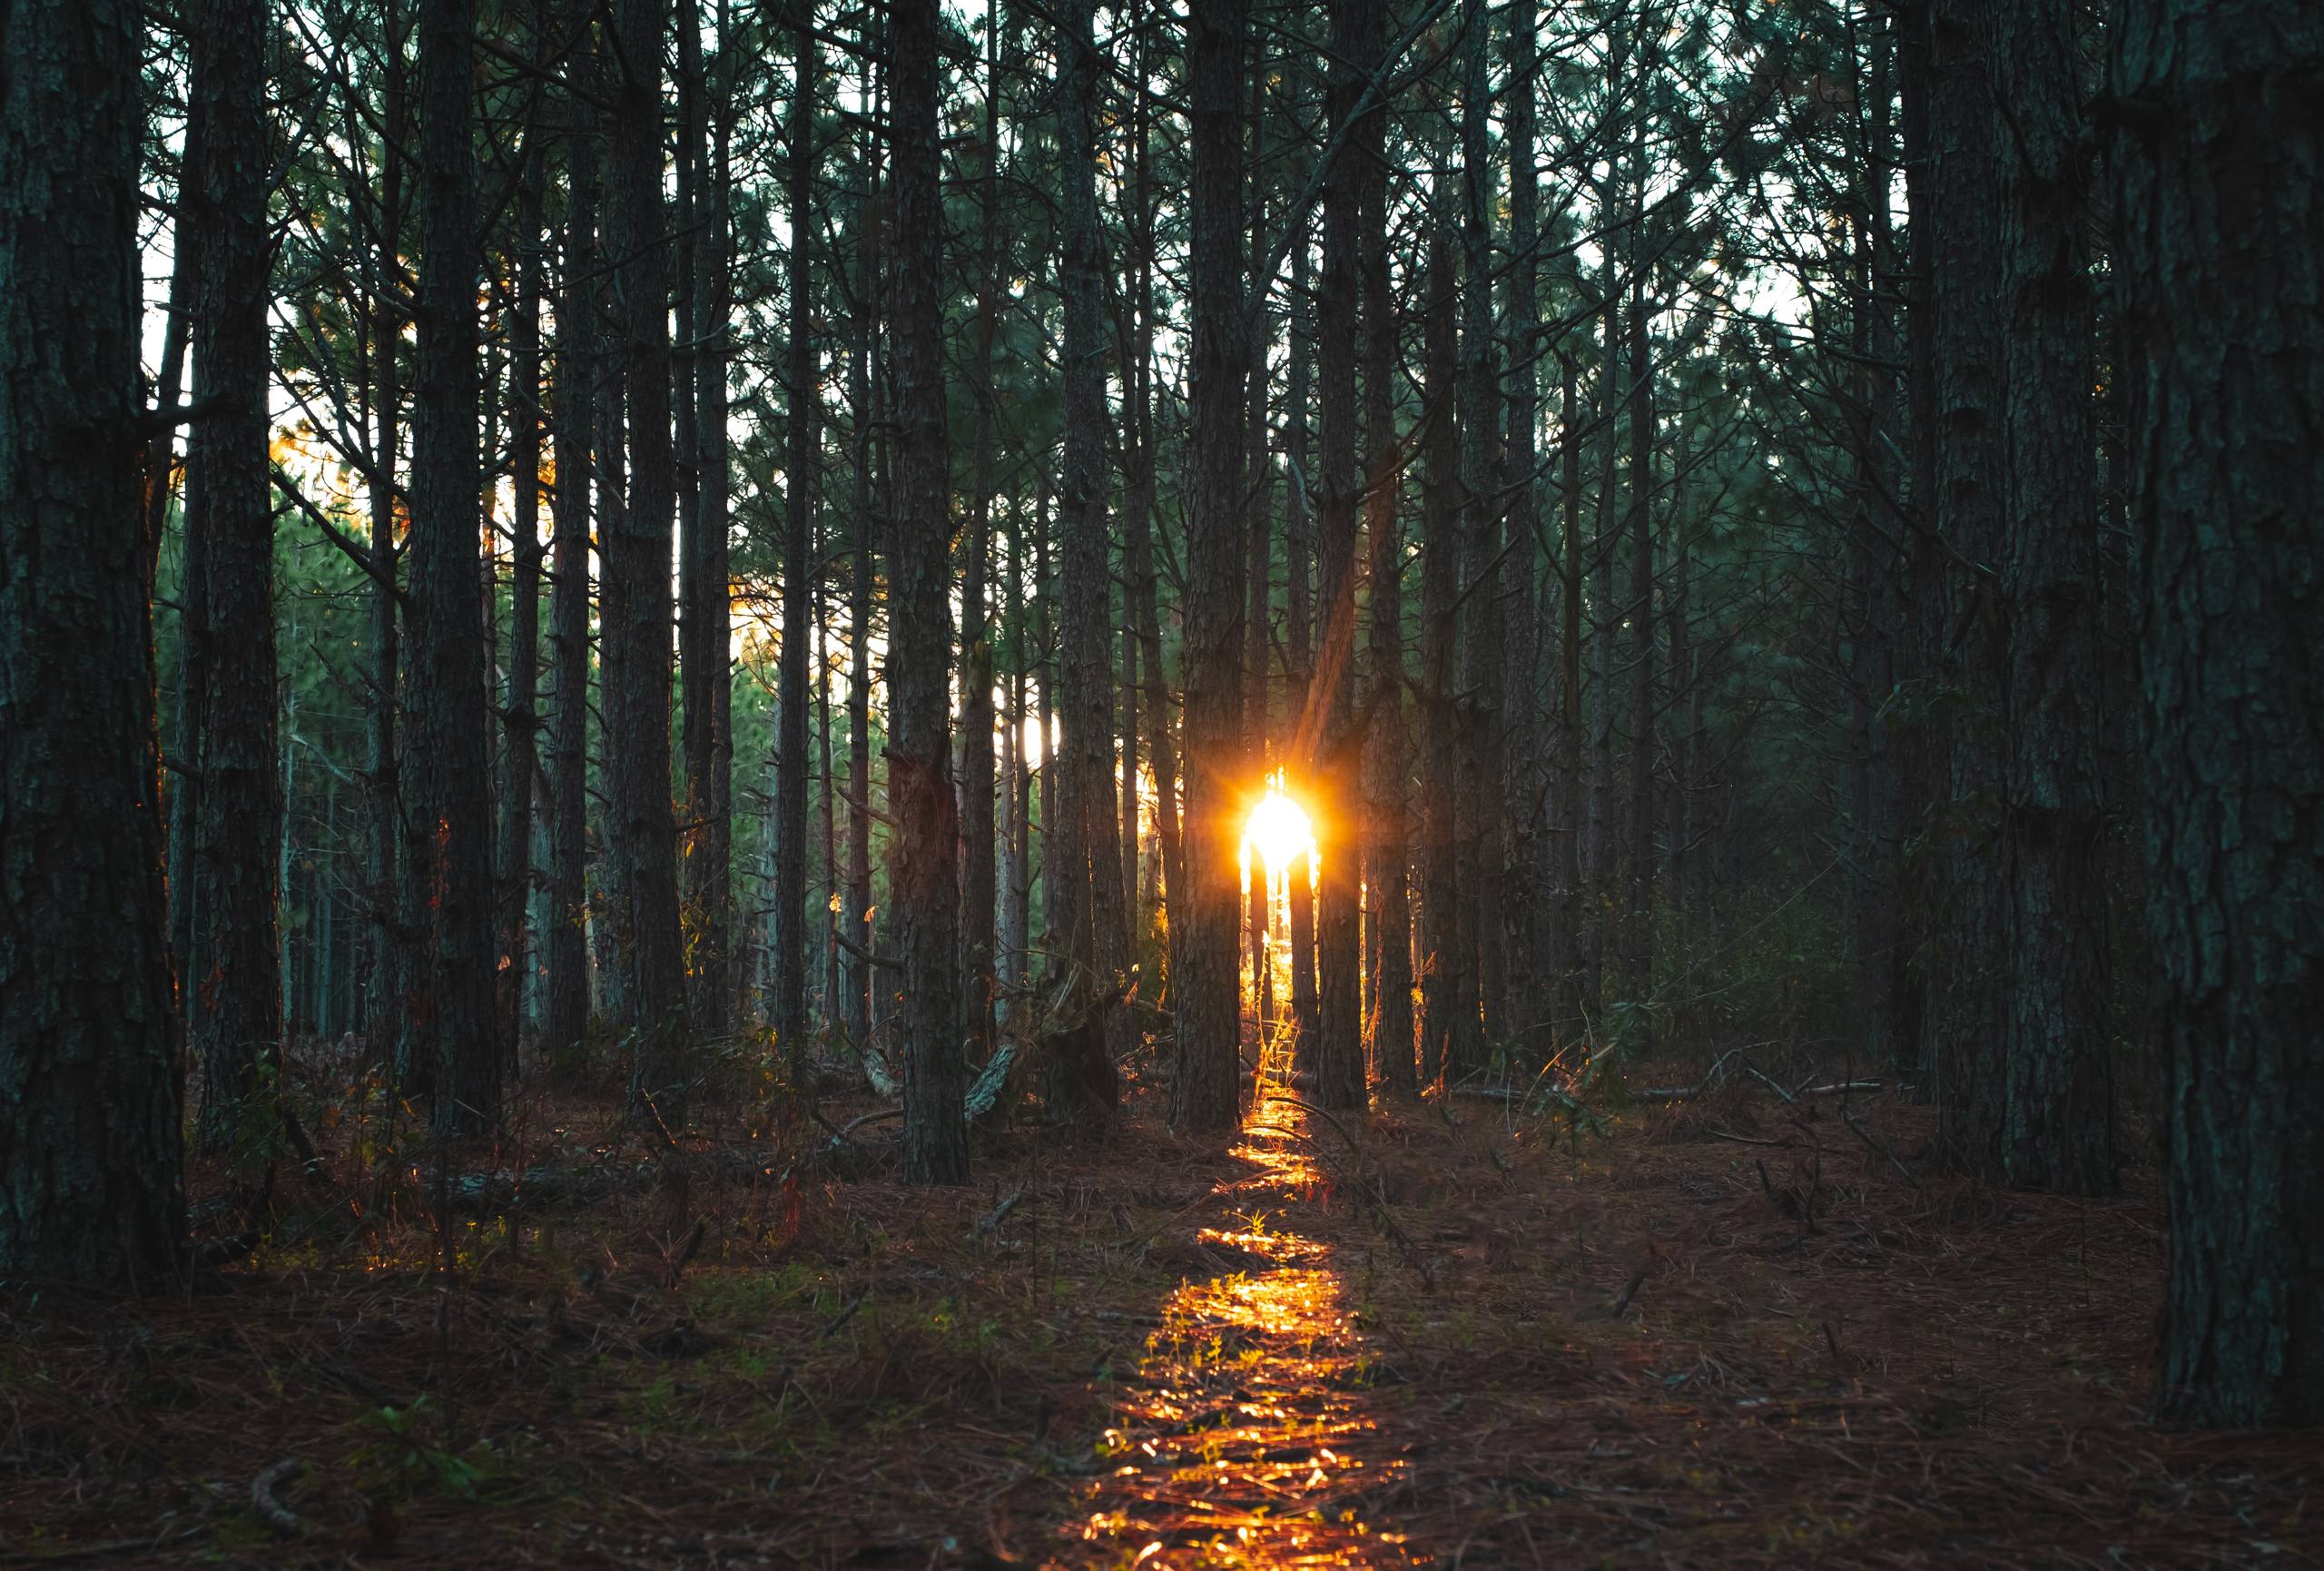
[(1277, 831)]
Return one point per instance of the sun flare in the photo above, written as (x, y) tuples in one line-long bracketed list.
[(1279, 831)]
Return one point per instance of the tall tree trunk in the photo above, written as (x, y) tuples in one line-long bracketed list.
[(642, 833), (386, 877), (1477, 818), (1258, 576), (707, 628), (864, 399), (239, 821), (2218, 161), (1386, 874), (1299, 632), (1205, 920), (1328, 751), (520, 750), (1016, 878), (978, 894), (1970, 1005), (1084, 839), (451, 832), (802, 474), (1915, 754), (1566, 962), (1525, 998), (1138, 529), (1637, 898), (2058, 1099), (923, 857), (564, 941), (90, 1157), (1445, 986)]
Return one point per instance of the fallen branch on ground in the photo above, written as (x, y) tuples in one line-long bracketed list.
[(271, 1511)]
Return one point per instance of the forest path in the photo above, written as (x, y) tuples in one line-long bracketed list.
[(1247, 1437)]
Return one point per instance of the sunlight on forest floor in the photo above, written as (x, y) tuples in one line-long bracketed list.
[(1247, 1439)]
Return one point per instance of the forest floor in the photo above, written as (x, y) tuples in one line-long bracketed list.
[(1731, 1330)]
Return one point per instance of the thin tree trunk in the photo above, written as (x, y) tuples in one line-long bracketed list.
[(520, 719), (707, 628), (978, 896), (1446, 986), (1478, 811), (801, 475), (1386, 874), (1525, 995), (564, 941), (1637, 902)]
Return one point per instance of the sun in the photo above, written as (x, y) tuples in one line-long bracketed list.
[(1278, 830)]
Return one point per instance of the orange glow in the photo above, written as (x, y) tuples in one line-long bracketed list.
[(1246, 1438), (1279, 831)]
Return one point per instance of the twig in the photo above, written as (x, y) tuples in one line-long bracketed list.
[(1771, 1085), (1000, 1213), (1744, 1138), (845, 1315), (1865, 1135), (1636, 1281), (687, 1253), (271, 1511)]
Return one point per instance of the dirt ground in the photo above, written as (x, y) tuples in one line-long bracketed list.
[(1731, 1329)]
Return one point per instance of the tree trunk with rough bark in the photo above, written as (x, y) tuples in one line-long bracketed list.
[(707, 627), (2218, 161), (90, 1154), (2058, 1094), (802, 472), (451, 823), (642, 829), (1204, 921), (924, 855), (1084, 837), (230, 506), (1329, 755)]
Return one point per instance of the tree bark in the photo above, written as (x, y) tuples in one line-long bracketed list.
[(706, 628), (1386, 874), (802, 472), (1329, 755), (1445, 985), (923, 856), (90, 1154), (1084, 836), (520, 720), (564, 952), (1970, 1000), (2218, 159), (978, 894), (2058, 1096), (230, 505), (636, 613), (1205, 920), (451, 832), (1478, 824)]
